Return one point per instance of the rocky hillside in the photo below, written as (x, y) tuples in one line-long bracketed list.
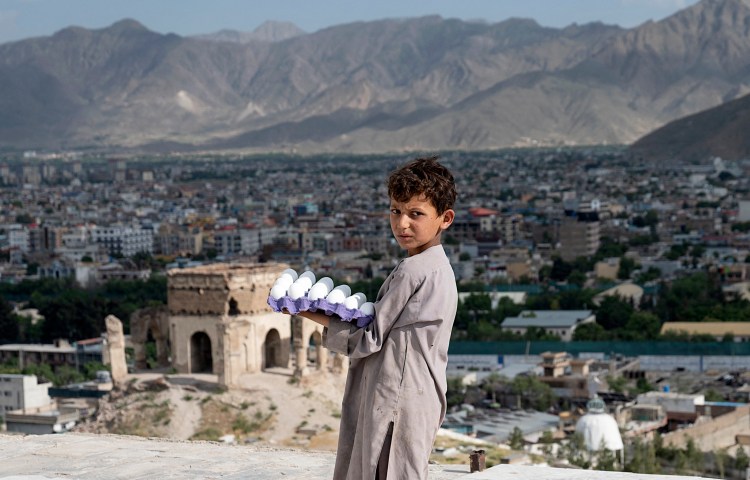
[(422, 83), (720, 131), (268, 409)]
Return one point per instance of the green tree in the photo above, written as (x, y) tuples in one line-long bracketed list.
[(575, 451), (741, 459), (613, 312), (515, 440), (590, 332), (533, 392), (616, 384), (547, 440), (627, 265), (694, 456), (455, 392), (605, 459), (642, 326), (65, 375), (720, 458), (9, 329)]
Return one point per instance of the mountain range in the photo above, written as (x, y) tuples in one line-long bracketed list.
[(392, 85), (717, 132)]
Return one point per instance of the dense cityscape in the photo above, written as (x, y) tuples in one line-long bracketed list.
[(549, 245)]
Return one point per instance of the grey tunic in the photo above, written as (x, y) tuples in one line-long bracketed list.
[(397, 370)]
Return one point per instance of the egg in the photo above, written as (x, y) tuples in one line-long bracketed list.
[(304, 281), (318, 291), (308, 274), (297, 290), (292, 273), (345, 288), (286, 278), (328, 282), (362, 298), (351, 302), (368, 308), (285, 281), (336, 296), (278, 291)]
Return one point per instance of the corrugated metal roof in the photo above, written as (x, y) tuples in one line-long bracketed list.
[(547, 318)]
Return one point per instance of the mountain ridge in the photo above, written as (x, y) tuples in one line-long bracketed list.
[(387, 85)]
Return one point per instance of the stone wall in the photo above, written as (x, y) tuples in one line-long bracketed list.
[(713, 434), (220, 312), (221, 289)]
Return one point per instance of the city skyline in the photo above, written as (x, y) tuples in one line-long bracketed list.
[(21, 19)]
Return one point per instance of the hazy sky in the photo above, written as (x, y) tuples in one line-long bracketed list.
[(29, 18)]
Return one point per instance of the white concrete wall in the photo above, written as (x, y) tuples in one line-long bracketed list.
[(22, 391), (693, 363)]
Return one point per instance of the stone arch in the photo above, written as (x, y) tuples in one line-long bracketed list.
[(150, 325), (201, 355), (272, 350), (316, 353)]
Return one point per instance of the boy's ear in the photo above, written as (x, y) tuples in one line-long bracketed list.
[(448, 217)]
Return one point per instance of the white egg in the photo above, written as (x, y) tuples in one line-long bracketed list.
[(285, 278), (292, 273), (308, 274), (278, 291), (351, 302), (345, 288), (361, 297), (284, 281), (336, 296), (368, 308), (304, 281), (328, 282), (318, 291), (297, 290)]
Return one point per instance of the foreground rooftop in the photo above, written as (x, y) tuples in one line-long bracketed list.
[(85, 456)]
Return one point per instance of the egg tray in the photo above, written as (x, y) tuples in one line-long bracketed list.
[(304, 304)]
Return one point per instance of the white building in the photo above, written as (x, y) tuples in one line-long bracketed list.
[(562, 323), (124, 241), (19, 238), (22, 392)]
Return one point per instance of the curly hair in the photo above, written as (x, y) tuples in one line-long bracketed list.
[(424, 176)]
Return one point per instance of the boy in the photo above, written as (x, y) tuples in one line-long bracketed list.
[(394, 400)]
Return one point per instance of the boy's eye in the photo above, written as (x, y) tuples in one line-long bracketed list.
[(394, 211)]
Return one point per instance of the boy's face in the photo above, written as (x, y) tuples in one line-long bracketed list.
[(417, 225)]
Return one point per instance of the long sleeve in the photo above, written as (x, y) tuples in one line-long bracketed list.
[(342, 337)]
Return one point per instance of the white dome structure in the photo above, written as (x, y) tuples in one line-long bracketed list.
[(598, 428)]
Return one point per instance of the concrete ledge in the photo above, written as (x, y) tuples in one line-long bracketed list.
[(87, 457), (74, 456), (512, 472)]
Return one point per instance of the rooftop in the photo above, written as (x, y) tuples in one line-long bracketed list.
[(547, 318), (84, 456)]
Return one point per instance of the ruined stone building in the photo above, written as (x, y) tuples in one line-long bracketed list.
[(217, 321)]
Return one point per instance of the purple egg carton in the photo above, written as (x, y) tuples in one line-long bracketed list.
[(304, 304)]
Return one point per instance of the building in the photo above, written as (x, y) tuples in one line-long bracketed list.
[(740, 331), (122, 241), (228, 241), (680, 408), (578, 238), (219, 322), (21, 392), (172, 240), (61, 353), (598, 428), (562, 323)]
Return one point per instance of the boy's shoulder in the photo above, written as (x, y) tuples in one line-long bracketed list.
[(426, 263)]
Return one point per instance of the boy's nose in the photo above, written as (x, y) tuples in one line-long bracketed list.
[(403, 221)]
